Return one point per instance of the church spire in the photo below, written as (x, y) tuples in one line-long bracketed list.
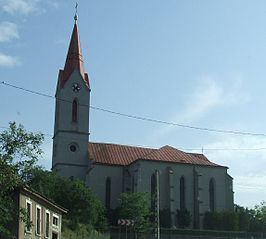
[(74, 60)]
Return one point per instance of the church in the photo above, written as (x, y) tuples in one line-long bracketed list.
[(182, 180)]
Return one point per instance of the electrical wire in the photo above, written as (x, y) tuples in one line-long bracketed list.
[(49, 137), (235, 132), (180, 148)]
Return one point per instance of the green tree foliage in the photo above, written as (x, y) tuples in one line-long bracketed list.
[(225, 220), (245, 217), (165, 218), (260, 216), (242, 219), (212, 221), (134, 206), (229, 221), (113, 216), (183, 218), (83, 207), (19, 151)]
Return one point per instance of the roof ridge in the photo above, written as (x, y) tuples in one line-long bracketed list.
[(157, 150), (124, 145), (173, 148), (197, 154), (203, 158), (126, 154)]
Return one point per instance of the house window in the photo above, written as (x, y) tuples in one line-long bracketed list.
[(212, 195), (38, 220), (108, 193), (54, 235), (55, 221), (75, 111), (29, 216), (182, 193), (47, 224)]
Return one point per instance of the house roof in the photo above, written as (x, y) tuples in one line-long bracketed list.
[(74, 60), (36, 194), (116, 154)]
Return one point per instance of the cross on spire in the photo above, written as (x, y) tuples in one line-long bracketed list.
[(76, 13)]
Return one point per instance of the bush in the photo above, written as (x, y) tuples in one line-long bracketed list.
[(183, 218), (165, 218)]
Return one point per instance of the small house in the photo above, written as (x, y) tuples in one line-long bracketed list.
[(44, 216)]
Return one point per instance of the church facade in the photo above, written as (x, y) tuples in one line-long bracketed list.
[(183, 180)]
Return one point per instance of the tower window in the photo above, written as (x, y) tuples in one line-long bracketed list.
[(75, 111), (73, 148)]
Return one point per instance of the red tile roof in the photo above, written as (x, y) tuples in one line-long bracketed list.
[(74, 60), (115, 154)]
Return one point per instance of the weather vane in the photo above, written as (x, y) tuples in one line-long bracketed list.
[(76, 13)]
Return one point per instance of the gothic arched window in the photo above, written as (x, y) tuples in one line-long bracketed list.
[(75, 111), (182, 194), (108, 193), (153, 191), (212, 195)]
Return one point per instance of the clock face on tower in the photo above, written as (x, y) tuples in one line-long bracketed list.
[(76, 87)]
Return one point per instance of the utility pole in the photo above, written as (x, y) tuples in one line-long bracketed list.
[(157, 206)]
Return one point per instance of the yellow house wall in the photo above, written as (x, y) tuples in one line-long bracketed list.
[(44, 206)]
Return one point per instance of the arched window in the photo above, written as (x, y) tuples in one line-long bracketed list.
[(74, 111), (212, 195), (182, 194), (153, 191), (108, 193)]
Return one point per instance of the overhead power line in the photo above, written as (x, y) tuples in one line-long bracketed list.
[(136, 117), (27, 90), (177, 124), (180, 148)]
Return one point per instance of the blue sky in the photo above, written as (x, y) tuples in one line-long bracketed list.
[(199, 63)]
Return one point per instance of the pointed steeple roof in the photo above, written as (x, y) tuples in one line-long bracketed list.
[(74, 60)]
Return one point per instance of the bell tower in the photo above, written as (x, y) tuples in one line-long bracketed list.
[(71, 127)]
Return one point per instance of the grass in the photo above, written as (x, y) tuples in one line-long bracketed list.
[(83, 232)]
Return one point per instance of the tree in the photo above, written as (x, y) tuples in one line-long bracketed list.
[(134, 206), (260, 215), (165, 218), (183, 218), (212, 220), (244, 218), (19, 151), (83, 206), (253, 220), (229, 221)]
